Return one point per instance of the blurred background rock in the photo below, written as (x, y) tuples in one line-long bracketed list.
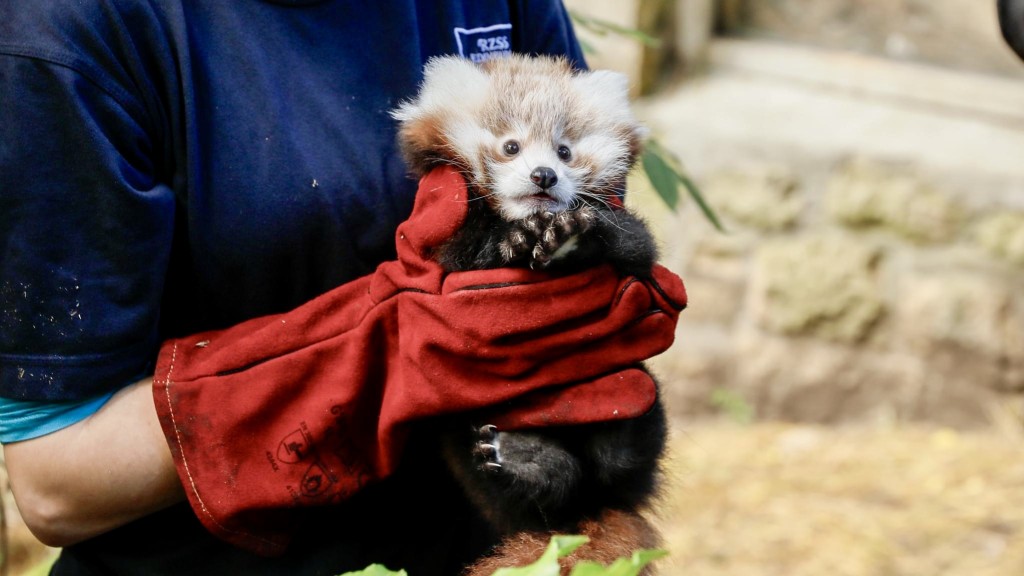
[(848, 382), (847, 386), (867, 160)]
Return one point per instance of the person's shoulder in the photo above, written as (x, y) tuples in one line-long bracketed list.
[(106, 42), (63, 30)]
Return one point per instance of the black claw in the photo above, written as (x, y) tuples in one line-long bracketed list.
[(487, 433), (549, 239), (486, 449)]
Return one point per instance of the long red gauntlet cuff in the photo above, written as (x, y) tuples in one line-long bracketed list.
[(306, 407)]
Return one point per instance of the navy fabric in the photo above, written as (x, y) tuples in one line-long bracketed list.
[(170, 167), (174, 166)]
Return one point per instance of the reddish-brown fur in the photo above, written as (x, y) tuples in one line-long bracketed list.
[(614, 535)]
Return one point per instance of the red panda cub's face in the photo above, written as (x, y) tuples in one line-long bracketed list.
[(529, 134)]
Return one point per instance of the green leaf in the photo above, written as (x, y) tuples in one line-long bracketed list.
[(603, 27), (42, 568), (376, 570), (662, 177), (547, 564), (622, 567), (587, 47), (664, 172), (694, 192), (567, 544), (733, 405)]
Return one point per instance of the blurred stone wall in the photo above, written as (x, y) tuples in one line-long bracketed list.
[(867, 159), (954, 33), (860, 289)]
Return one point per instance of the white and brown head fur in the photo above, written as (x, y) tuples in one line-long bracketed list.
[(529, 134)]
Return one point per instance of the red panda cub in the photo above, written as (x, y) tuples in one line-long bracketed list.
[(545, 150)]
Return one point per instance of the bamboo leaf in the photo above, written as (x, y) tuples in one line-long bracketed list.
[(604, 27), (699, 199), (666, 161), (663, 178), (376, 570), (587, 47)]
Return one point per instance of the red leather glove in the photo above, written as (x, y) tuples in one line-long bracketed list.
[(304, 408)]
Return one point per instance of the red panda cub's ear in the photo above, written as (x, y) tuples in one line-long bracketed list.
[(440, 125), (606, 95)]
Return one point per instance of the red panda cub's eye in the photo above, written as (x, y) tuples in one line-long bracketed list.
[(564, 154), (511, 148)]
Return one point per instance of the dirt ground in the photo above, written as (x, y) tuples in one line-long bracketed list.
[(794, 500), (773, 499)]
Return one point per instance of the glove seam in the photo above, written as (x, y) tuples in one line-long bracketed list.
[(487, 286), (378, 302), (642, 317), (184, 461), (676, 306), (622, 291)]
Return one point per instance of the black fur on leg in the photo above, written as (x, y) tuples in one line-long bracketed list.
[(549, 479), (508, 475)]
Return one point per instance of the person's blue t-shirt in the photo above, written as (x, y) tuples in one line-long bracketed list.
[(172, 166)]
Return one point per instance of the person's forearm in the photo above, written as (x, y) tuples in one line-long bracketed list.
[(98, 474)]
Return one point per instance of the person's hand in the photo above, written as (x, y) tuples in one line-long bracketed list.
[(307, 407)]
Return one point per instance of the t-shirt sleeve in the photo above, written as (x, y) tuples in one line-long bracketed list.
[(26, 419), (545, 28), (85, 228)]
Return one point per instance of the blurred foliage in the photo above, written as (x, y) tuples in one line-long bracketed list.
[(734, 406), (42, 568), (561, 546), (665, 172), (547, 564), (600, 27), (376, 570)]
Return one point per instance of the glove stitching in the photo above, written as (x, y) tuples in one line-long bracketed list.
[(188, 472)]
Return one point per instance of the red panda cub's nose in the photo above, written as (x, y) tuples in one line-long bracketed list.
[(544, 177)]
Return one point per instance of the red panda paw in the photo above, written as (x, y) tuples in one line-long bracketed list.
[(541, 238)]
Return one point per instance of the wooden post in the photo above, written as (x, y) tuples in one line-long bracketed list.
[(729, 15), (695, 21), (684, 28)]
